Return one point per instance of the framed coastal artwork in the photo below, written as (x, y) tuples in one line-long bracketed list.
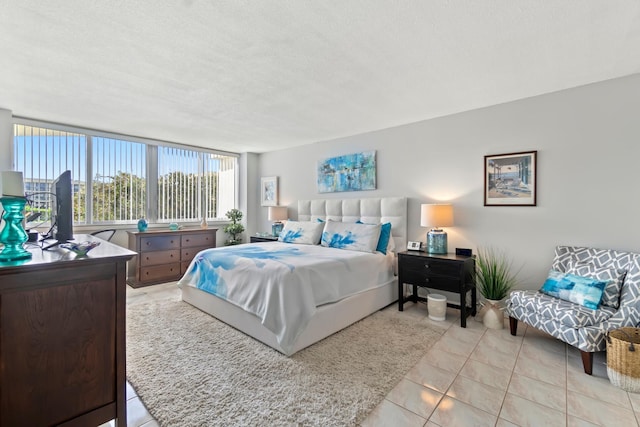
[(510, 179), (269, 191), (351, 172)]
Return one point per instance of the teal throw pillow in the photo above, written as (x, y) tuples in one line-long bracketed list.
[(577, 289)]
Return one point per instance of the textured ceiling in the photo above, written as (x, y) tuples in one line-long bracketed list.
[(265, 75)]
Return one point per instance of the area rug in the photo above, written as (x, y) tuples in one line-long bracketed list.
[(190, 369)]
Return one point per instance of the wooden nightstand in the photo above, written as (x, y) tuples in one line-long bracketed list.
[(256, 239), (448, 272)]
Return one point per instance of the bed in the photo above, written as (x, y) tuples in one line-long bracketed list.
[(337, 289)]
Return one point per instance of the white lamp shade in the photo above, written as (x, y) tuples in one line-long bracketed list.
[(12, 184), (436, 216), (277, 213)]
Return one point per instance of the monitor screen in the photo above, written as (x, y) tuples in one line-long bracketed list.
[(62, 208)]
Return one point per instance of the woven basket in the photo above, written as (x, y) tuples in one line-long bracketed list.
[(623, 358)]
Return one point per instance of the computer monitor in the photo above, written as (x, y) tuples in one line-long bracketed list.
[(61, 209)]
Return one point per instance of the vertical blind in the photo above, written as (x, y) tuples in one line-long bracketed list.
[(119, 183), (42, 155), (194, 184), (111, 176)]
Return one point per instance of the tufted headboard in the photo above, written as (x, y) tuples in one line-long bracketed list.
[(371, 211)]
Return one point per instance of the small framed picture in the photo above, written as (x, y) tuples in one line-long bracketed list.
[(413, 246), (510, 179), (269, 191)]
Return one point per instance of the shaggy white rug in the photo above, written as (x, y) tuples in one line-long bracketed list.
[(190, 369)]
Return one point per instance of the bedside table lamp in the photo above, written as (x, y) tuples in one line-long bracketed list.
[(436, 216), (277, 214)]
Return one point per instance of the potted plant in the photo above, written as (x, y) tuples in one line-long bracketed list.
[(494, 280), (234, 229)]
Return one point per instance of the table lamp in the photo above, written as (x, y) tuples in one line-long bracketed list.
[(436, 216), (13, 200), (277, 214)]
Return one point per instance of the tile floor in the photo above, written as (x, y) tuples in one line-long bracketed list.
[(478, 377)]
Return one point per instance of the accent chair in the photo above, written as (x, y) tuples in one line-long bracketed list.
[(575, 324)]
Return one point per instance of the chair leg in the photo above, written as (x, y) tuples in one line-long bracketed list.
[(513, 325), (587, 362)]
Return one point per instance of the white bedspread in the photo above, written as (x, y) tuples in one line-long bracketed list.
[(283, 283)]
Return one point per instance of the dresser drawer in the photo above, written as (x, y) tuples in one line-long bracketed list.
[(164, 255), (159, 257), (160, 272), (203, 239), (189, 253), (159, 243), (184, 266), (432, 267)]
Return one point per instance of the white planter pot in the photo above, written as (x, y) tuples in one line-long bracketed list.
[(493, 317)]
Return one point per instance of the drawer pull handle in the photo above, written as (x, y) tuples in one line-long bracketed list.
[(427, 266), (426, 280), (187, 240)]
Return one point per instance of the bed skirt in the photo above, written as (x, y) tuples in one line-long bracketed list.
[(328, 319)]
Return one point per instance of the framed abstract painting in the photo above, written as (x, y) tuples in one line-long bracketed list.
[(351, 172), (269, 191)]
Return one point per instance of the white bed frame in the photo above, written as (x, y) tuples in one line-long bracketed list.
[(329, 318)]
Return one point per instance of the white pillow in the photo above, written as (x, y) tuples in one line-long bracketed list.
[(351, 236), (302, 232), (391, 247)]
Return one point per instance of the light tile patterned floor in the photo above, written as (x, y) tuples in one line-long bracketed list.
[(484, 377), (478, 377)]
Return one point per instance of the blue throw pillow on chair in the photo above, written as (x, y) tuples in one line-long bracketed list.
[(577, 289)]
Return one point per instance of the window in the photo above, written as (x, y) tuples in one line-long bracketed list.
[(42, 155), (194, 183), (113, 180), (119, 180)]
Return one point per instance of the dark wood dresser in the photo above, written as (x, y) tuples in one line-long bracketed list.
[(164, 255), (62, 337)]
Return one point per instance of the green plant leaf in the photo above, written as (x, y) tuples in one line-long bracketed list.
[(494, 278)]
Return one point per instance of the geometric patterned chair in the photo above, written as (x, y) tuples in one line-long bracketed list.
[(574, 324)]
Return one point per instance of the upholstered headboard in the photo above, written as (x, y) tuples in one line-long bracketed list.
[(371, 211)]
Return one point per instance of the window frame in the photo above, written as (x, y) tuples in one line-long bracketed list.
[(151, 169)]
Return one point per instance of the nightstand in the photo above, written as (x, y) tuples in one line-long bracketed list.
[(256, 239), (447, 272)]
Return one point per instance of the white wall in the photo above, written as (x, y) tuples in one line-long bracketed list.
[(6, 140), (249, 193), (588, 143)]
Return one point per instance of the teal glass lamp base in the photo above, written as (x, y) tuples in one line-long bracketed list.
[(437, 242), (13, 235), (276, 229)]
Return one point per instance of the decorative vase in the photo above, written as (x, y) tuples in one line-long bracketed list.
[(493, 317), (203, 223), (142, 224), (13, 235)]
